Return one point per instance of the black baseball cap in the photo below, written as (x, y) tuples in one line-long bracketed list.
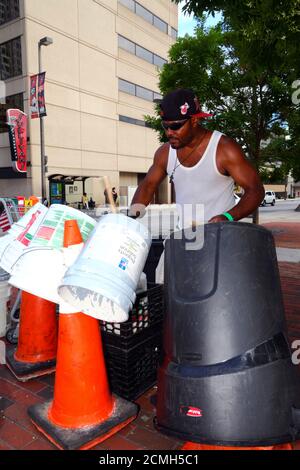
[(181, 104)]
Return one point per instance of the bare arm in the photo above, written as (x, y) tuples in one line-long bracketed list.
[(233, 162), (156, 174)]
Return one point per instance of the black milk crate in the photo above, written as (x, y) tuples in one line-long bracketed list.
[(156, 249), (133, 371), (144, 320)]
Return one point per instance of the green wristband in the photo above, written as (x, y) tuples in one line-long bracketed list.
[(228, 216)]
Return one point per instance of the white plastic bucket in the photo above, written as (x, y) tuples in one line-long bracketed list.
[(40, 268), (21, 235), (18, 227), (103, 280), (4, 296)]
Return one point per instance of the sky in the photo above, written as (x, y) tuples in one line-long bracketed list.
[(186, 23)]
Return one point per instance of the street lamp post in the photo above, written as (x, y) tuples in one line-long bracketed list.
[(46, 41)]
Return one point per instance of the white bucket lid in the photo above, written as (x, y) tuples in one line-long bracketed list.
[(39, 272), (94, 304)]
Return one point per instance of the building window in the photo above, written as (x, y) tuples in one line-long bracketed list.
[(174, 33), (10, 59), (130, 120), (126, 44), (159, 61), (144, 93), (141, 52), (13, 101), (157, 96), (129, 4), (144, 54), (143, 13), (126, 87), (146, 15), (136, 122), (9, 10), (160, 24), (137, 90)]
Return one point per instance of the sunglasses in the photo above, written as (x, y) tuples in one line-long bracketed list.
[(174, 126)]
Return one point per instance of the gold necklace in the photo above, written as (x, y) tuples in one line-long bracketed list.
[(171, 179)]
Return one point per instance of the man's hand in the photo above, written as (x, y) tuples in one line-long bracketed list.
[(218, 218), (136, 211)]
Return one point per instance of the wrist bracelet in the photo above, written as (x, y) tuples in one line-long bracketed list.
[(228, 216)]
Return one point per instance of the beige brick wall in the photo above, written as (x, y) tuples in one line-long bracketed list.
[(83, 135)]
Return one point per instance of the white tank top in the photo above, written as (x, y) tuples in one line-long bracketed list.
[(201, 184)]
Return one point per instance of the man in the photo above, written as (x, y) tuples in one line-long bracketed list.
[(92, 203), (202, 164), (114, 195), (85, 201)]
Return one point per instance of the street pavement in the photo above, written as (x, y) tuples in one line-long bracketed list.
[(282, 218), (283, 211)]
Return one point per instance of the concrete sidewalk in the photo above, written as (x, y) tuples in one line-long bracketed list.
[(17, 432), (287, 240)]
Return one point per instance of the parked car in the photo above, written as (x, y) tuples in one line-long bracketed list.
[(269, 198)]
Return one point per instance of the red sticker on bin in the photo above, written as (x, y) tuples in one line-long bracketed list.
[(191, 411)]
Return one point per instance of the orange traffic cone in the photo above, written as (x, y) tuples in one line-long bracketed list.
[(195, 446), (83, 412), (36, 351)]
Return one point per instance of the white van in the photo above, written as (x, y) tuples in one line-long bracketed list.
[(269, 198)]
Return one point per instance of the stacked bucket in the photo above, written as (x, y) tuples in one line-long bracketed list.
[(226, 377), (83, 412)]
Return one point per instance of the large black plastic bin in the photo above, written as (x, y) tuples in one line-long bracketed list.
[(226, 377)]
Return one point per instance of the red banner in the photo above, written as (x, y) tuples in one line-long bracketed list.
[(37, 96), (17, 129), (34, 110)]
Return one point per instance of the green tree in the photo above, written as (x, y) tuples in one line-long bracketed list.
[(243, 70), (294, 143), (269, 29), (249, 106), (283, 150), (265, 35)]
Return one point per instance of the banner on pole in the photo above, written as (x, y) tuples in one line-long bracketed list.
[(17, 130), (41, 94), (37, 96), (34, 110)]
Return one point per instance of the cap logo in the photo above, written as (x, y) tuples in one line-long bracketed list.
[(184, 108)]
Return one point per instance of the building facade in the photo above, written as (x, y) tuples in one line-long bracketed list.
[(296, 189), (101, 80)]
